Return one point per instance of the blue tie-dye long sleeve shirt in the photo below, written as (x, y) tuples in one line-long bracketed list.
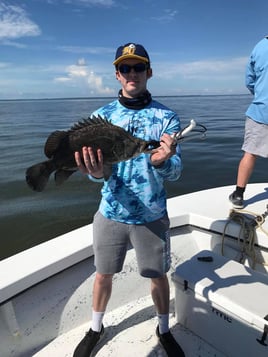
[(135, 193)]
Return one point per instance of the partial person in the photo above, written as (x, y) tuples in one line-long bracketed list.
[(256, 126), (133, 205)]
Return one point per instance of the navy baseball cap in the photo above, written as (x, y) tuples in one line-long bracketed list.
[(131, 50)]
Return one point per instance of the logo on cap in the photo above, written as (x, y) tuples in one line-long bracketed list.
[(129, 50)]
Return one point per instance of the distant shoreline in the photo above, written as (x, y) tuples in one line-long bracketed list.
[(111, 98)]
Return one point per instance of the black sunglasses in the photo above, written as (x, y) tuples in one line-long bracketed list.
[(138, 68)]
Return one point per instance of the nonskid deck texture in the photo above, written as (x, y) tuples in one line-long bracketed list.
[(130, 329), (130, 332)]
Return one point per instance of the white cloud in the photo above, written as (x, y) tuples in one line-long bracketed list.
[(4, 64), (77, 71), (218, 67), (96, 85), (203, 69), (90, 50), (62, 79), (166, 17), (80, 75), (104, 3), (81, 62), (13, 44), (14, 23)]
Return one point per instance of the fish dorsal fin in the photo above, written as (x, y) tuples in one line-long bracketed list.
[(90, 121), (53, 142)]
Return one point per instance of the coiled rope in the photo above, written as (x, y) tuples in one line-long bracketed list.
[(249, 222)]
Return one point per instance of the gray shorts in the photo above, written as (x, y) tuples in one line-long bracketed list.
[(151, 242), (256, 138)]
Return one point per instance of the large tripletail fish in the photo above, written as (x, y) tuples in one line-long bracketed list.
[(115, 143)]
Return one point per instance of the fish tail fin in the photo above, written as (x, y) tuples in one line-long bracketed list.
[(62, 175), (37, 175)]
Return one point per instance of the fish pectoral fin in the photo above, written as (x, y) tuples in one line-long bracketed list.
[(107, 171), (62, 175)]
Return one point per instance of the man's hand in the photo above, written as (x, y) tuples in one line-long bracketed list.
[(165, 151), (90, 163)]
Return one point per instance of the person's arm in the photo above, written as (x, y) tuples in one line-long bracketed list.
[(166, 159), (250, 76)]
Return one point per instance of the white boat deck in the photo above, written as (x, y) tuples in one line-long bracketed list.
[(130, 332), (130, 329), (130, 320)]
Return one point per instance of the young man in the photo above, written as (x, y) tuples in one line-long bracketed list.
[(256, 126), (133, 204)]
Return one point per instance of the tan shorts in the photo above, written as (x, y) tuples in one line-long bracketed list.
[(256, 138), (151, 242)]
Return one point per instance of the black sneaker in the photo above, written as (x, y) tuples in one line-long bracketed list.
[(169, 344), (236, 200), (88, 343)]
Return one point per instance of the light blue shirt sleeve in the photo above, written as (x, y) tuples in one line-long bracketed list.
[(250, 76), (256, 79), (95, 179)]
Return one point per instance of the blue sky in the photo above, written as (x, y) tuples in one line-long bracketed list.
[(65, 48)]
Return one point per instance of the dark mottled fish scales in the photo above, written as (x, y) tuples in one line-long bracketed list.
[(115, 143)]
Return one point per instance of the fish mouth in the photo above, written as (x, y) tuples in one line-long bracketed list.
[(153, 144)]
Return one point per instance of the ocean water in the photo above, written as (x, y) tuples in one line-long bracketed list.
[(28, 218)]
